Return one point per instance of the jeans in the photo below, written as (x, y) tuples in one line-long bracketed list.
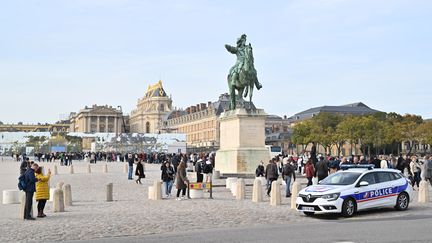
[(28, 205), (168, 187), (130, 172), (270, 181), (288, 185)]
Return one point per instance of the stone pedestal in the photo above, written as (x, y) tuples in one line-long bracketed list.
[(242, 141), (294, 192), (67, 194), (89, 169), (257, 191), (105, 168), (51, 191), (125, 168), (71, 169), (233, 188), (423, 195), (275, 194), (11, 197), (241, 189)]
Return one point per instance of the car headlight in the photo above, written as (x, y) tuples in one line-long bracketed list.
[(331, 197)]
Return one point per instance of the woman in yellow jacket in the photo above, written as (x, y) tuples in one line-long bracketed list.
[(42, 190)]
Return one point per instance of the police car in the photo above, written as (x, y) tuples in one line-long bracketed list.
[(356, 188)]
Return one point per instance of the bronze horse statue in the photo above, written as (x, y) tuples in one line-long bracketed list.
[(243, 76)]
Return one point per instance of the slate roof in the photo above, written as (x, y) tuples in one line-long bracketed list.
[(352, 109)]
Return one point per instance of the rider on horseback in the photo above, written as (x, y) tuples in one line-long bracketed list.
[(240, 52)]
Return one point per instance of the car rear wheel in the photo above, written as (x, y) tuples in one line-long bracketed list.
[(402, 202), (349, 207), (309, 213)]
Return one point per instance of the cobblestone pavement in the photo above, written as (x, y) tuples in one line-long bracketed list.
[(132, 214)]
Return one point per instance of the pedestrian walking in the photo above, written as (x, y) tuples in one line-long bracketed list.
[(139, 171), (288, 173), (321, 169), (130, 161), (309, 171), (182, 180), (167, 177), (271, 174)]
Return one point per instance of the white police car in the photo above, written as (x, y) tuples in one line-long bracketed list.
[(356, 188)]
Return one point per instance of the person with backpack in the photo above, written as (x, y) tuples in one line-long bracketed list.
[(260, 170), (208, 171), (288, 172), (271, 174), (42, 191), (29, 189)]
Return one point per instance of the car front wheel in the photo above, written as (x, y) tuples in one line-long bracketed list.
[(348, 207), (402, 201)]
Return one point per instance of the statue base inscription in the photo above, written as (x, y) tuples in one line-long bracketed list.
[(242, 142)]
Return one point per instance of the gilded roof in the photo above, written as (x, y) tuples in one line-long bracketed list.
[(155, 90)]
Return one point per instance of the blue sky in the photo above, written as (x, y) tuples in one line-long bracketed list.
[(58, 56)]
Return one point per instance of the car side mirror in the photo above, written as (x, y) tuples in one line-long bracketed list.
[(364, 183)]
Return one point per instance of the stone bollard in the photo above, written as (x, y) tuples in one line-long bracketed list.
[(229, 181), (88, 169), (275, 194), (22, 208), (155, 191), (125, 168), (71, 169), (11, 197), (216, 175), (294, 192), (67, 195), (109, 192), (423, 195), (55, 170), (59, 185), (51, 192), (196, 193), (233, 188), (105, 168), (58, 201), (241, 188), (257, 191)]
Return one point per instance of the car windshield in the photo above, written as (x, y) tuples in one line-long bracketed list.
[(341, 178)]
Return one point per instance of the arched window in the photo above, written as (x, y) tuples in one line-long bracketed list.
[(161, 107), (147, 127)]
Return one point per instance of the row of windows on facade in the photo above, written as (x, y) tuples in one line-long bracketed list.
[(189, 117), (195, 127), (201, 136)]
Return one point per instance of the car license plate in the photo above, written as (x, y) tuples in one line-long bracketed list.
[(308, 209)]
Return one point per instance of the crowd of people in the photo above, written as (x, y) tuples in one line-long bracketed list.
[(318, 168)]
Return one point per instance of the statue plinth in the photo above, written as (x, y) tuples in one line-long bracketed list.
[(242, 142)]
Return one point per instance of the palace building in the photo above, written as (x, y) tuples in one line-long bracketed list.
[(98, 119), (150, 111)]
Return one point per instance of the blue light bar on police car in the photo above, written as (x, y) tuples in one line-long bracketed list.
[(353, 166)]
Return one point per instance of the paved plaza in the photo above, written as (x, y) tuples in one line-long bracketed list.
[(131, 214)]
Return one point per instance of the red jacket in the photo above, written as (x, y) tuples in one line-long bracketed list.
[(309, 170)]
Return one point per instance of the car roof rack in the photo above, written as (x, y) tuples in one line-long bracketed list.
[(354, 166)]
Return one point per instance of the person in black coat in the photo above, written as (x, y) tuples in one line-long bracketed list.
[(139, 171), (29, 190), (260, 170)]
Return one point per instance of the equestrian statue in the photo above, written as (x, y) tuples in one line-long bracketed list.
[(242, 76)]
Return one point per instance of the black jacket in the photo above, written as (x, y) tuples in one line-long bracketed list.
[(139, 171), (272, 172), (321, 169), (167, 173)]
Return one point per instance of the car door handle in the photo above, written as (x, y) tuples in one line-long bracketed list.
[(356, 192)]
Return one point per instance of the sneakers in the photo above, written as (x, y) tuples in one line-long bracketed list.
[(178, 199)]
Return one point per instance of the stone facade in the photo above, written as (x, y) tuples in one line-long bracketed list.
[(98, 119), (150, 111)]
